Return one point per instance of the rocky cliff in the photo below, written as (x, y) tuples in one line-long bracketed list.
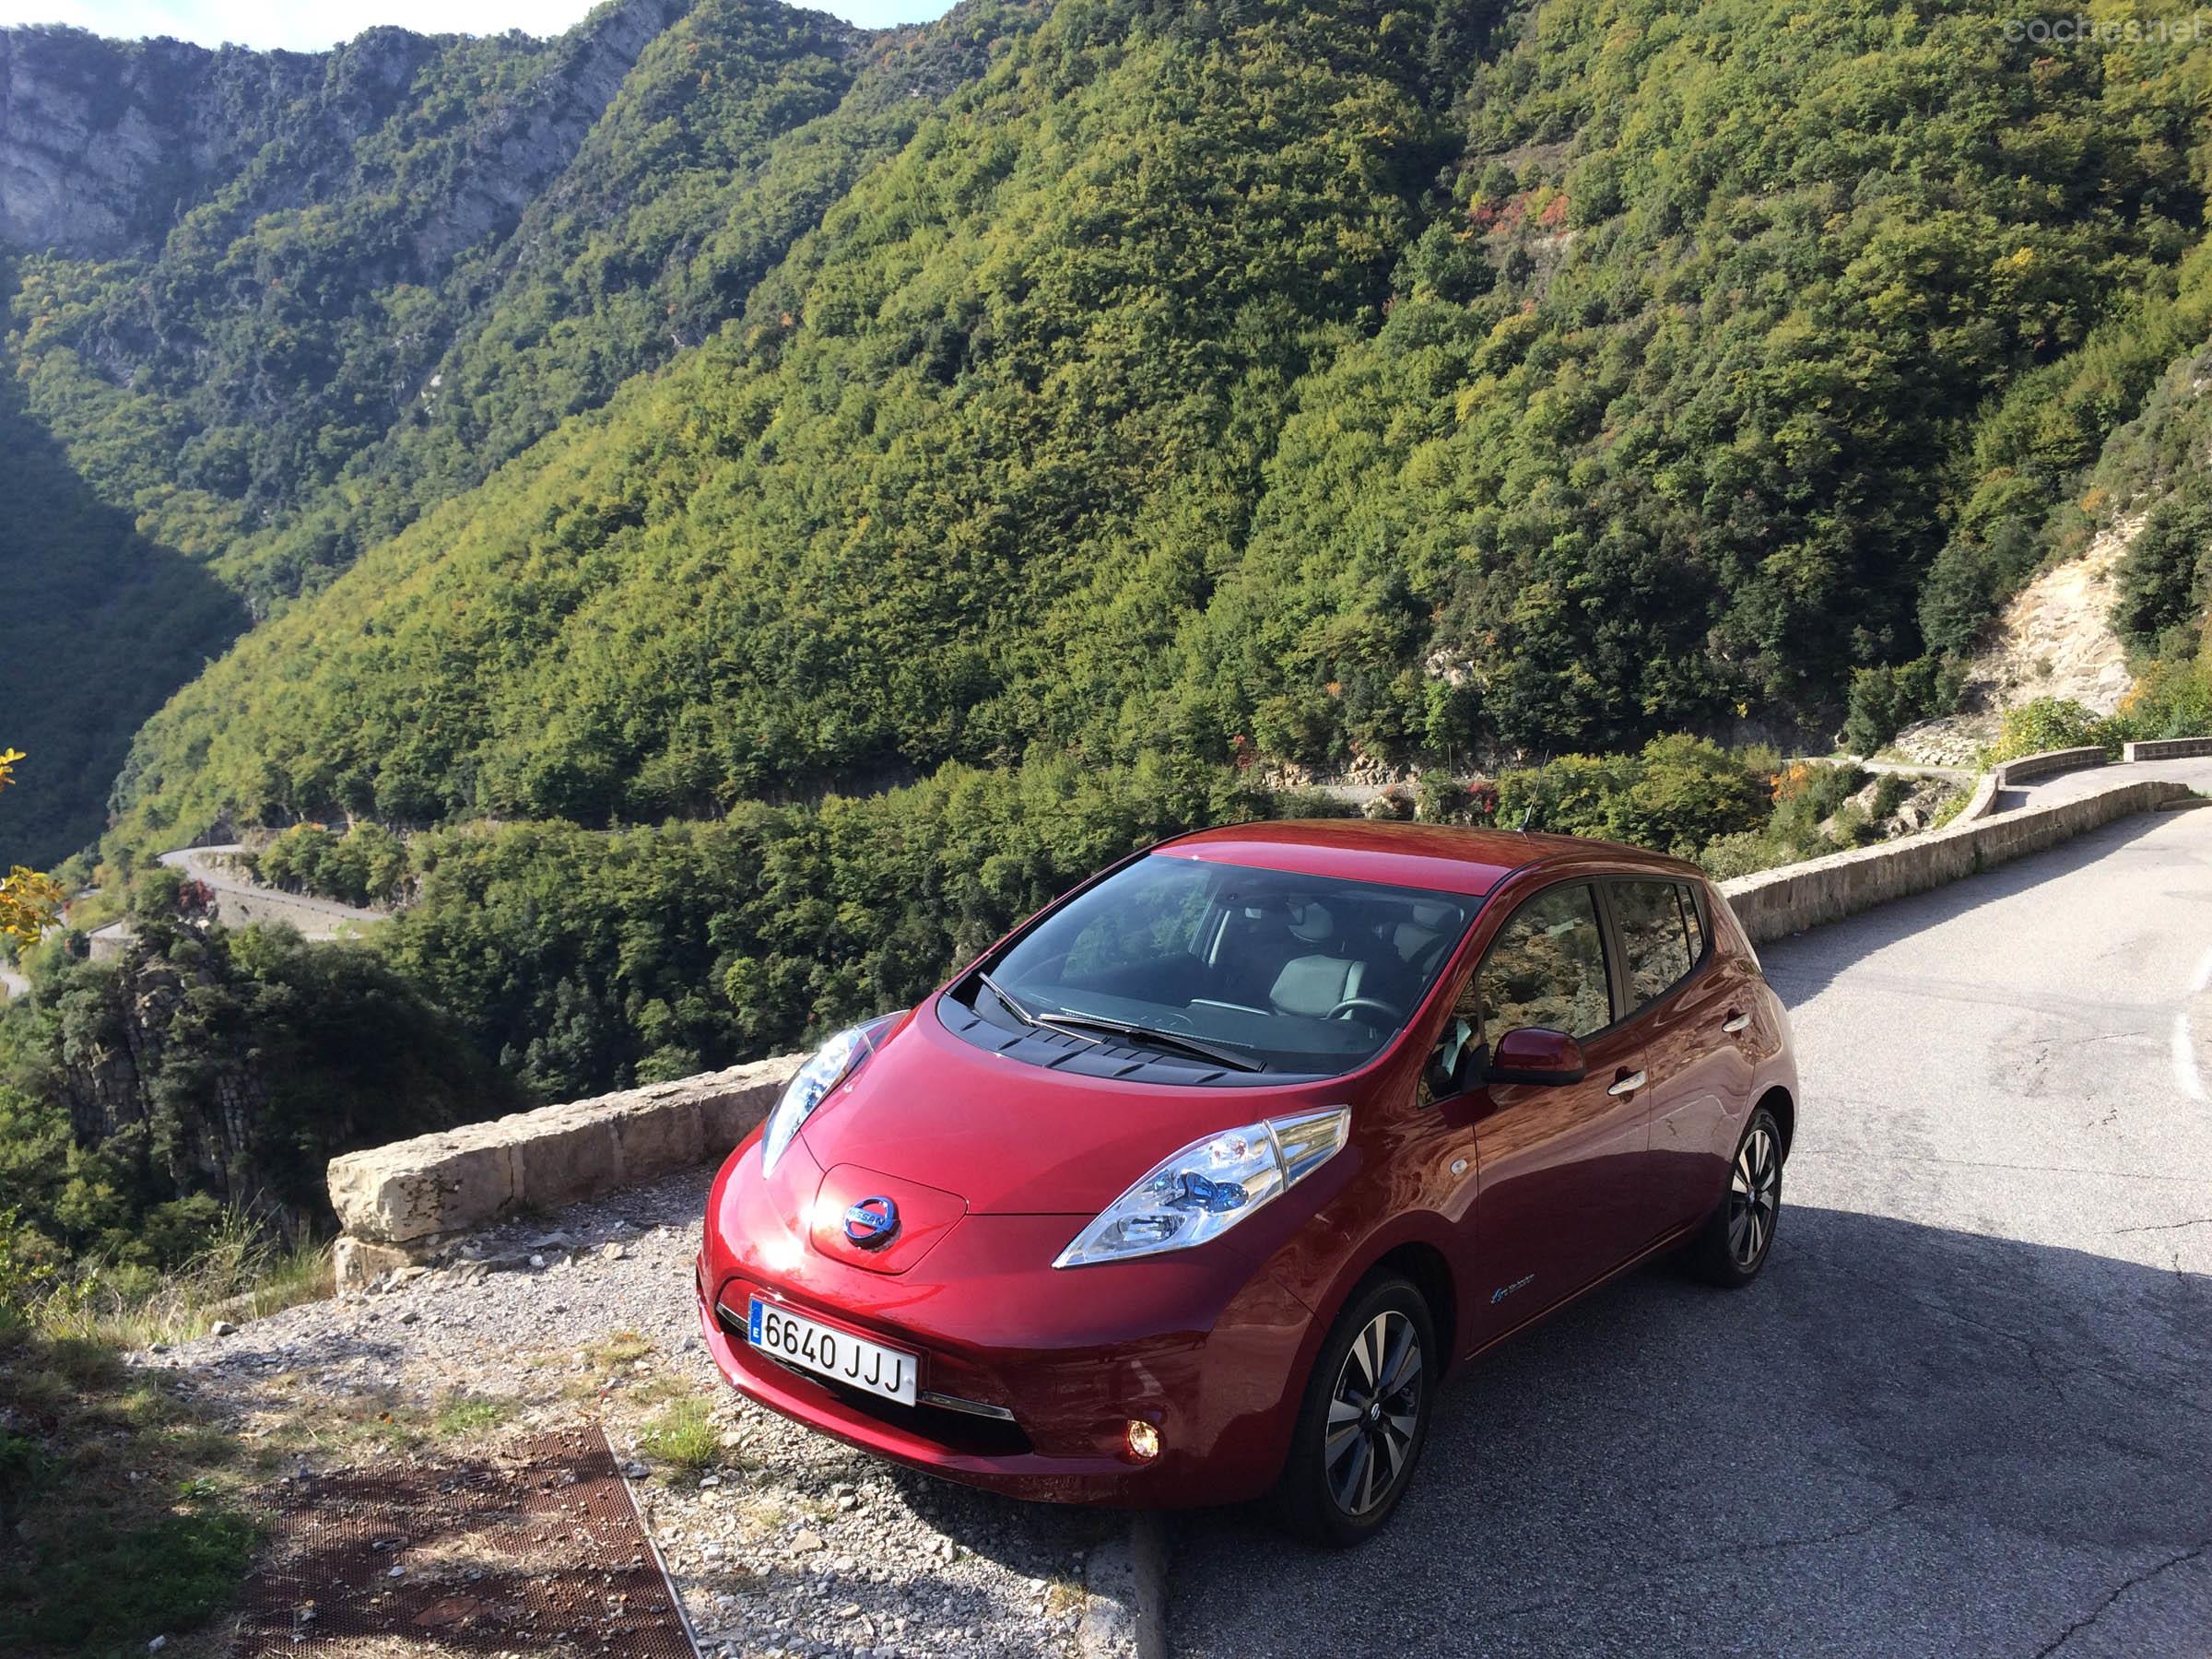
[(106, 146)]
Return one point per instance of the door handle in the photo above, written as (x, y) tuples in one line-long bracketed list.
[(1736, 1022), (1628, 1085)]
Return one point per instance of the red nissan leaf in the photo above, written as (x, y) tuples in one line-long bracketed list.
[(1197, 1184)]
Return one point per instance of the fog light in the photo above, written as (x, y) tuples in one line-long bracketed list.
[(1144, 1441)]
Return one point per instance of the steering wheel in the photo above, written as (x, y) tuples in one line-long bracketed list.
[(1376, 1003)]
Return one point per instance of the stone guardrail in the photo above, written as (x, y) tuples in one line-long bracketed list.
[(1982, 802), (2047, 763), (399, 1205), (2169, 748), (1786, 900), (1993, 783)]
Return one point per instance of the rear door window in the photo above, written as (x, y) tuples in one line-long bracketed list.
[(1660, 937)]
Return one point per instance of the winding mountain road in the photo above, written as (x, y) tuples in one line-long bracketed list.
[(1968, 1409), (241, 902)]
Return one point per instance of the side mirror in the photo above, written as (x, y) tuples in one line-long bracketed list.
[(1532, 1054)]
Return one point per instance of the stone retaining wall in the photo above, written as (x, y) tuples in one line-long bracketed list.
[(1787, 900), (2169, 748), (1982, 802), (2047, 763), (400, 1204)]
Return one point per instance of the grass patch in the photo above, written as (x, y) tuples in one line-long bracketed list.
[(125, 1509), (684, 1436), (464, 1415), (122, 1515), (1949, 807), (240, 1275), (623, 1348), (1066, 1597)]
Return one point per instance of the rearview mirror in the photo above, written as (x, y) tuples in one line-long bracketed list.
[(1532, 1054)]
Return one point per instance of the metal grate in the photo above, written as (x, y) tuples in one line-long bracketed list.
[(532, 1546)]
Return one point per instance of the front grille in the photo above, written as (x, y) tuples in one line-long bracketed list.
[(945, 1426)]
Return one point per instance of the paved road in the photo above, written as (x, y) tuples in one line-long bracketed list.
[(2073, 785), (1903, 768), (240, 903), (1968, 1409)]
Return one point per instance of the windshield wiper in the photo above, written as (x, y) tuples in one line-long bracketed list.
[(1012, 1004), (1076, 1023)]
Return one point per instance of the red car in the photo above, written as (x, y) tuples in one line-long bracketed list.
[(1198, 1183)]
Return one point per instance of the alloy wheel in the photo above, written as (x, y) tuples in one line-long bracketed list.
[(1372, 1413), (1754, 1192)]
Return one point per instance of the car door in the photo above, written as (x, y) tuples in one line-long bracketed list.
[(1683, 997), (1556, 1164)]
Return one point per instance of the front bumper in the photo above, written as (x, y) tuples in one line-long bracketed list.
[(1206, 1349)]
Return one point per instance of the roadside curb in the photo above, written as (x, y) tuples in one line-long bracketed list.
[(1125, 1595)]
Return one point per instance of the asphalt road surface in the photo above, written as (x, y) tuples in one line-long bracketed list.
[(1967, 1409), (2068, 787)]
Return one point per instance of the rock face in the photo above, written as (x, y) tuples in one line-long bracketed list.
[(2055, 639), (106, 146), (102, 143)]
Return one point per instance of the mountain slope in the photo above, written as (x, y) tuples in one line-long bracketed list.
[(1318, 381), (422, 256), (998, 412), (102, 624)]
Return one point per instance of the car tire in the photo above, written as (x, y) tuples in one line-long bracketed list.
[(1327, 1492), (1739, 1235)]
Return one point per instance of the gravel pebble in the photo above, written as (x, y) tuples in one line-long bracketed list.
[(796, 1545)]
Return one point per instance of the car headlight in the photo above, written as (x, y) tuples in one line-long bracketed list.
[(827, 1066), (1210, 1186)]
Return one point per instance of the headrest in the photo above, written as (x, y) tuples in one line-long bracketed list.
[(1313, 985), (1410, 941)]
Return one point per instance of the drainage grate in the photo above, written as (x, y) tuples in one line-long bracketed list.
[(532, 1547)]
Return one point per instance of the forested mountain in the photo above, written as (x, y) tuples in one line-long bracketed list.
[(641, 438), (271, 306)]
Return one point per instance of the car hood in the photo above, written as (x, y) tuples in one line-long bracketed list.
[(1009, 1138)]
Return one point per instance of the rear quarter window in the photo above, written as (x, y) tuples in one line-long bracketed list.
[(1661, 935)]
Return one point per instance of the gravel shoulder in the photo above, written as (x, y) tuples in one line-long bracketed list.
[(779, 1541)]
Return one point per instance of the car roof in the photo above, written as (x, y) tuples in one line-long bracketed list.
[(1440, 857)]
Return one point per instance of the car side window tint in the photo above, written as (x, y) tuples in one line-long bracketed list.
[(1692, 921), (1547, 967), (1654, 936)]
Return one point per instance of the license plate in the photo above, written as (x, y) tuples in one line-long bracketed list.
[(827, 1351)]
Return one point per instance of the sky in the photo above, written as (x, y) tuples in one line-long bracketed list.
[(320, 23)]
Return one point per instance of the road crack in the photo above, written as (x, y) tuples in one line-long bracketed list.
[(1707, 1558), (2164, 1225), (2105, 1605)]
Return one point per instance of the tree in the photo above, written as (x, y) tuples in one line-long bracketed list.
[(29, 901)]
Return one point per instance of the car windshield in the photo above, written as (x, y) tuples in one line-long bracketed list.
[(1262, 969)]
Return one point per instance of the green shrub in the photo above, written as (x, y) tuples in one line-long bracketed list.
[(1439, 798), (2045, 723), (365, 865), (2171, 697), (1805, 796), (1745, 852), (1676, 795), (1884, 700)]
